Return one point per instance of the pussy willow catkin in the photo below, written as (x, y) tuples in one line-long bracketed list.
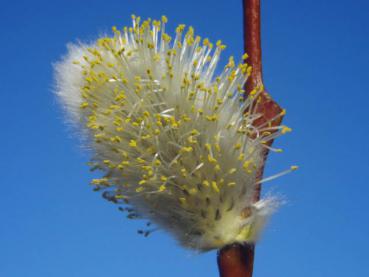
[(175, 143)]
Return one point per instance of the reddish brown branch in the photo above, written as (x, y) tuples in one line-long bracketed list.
[(237, 260), (252, 41)]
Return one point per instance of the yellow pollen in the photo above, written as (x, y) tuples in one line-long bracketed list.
[(211, 159), (206, 183), (232, 170), (140, 160), (246, 166), (142, 182), (84, 105), (186, 149), (132, 143), (164, 19), (285, 130), (139, 189), (215, 186)]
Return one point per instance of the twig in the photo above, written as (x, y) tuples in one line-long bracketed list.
[(237, 260)]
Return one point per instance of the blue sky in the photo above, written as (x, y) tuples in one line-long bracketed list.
[(316, 66)]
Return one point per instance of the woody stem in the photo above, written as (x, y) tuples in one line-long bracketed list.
[(237, 260)]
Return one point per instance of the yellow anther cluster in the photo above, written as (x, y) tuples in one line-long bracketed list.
[(180, 28), (231, 62), (285, 130)]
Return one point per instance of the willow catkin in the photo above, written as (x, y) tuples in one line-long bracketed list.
[(172, 140)]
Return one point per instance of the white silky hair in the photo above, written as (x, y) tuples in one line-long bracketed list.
[(176, 144)]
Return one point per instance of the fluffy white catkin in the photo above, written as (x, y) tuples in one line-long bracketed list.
[(176, 144)]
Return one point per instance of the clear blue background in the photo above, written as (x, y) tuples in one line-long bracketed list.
[(316, 65)]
